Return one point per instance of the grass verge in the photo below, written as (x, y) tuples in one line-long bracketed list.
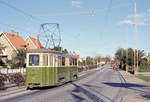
[(143, 77)]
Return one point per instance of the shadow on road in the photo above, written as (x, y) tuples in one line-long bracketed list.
[(78, 98), (146, 95), (43, 88), (96, 89), (126, 85), (136, 87), (50, 87)]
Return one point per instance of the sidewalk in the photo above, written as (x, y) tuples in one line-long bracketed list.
[(129, 78), (12, 90)]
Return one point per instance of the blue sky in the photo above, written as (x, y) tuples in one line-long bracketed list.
[(100, 34)]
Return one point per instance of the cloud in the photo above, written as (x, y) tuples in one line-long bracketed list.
[(142, 19), (126, 22), (76, 3)]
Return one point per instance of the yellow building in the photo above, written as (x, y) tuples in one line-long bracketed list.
[(33, 43), (12, 41)]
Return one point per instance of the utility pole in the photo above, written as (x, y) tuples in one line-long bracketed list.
[(127, 68), (122, 57), (136, 49)]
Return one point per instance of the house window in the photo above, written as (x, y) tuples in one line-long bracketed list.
[(33, 60)]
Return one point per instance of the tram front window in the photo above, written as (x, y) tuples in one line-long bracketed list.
[(33, 60)]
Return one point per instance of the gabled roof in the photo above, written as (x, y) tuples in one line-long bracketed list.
[(36, 42), (16, 41)]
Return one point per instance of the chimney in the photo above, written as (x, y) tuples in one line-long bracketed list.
[(16, 33), (12, 32)]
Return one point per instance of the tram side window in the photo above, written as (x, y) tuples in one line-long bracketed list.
[(33, 60), (75, 61), (51, 60), (45, 60), (67, 63), (63, 61), (71, 61), (55, 61), (59, 61)]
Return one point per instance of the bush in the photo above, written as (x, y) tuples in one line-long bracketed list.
[(3, 78), (80, 69), (144, 68), (92, 66), (18, 79), (85, 68)]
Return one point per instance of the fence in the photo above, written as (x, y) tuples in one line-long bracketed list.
[(8, 70)]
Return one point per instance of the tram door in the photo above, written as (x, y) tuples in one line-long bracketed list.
[(45, 69), (52, 69)]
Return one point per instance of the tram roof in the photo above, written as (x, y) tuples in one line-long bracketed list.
[(50, 51)]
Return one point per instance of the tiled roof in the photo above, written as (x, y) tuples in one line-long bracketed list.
[(36, 42), (17, 41)]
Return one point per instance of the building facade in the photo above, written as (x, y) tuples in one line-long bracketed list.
[(12, 42), (33, 43)]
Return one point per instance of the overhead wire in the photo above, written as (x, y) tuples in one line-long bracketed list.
[(16, 9), (108, 12), (14, 27), (20, 11), (36, 18), (32, 17)]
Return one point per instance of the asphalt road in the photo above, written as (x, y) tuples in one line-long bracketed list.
[(93, 86)]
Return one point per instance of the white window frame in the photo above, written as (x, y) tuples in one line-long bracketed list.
[(27, 57)]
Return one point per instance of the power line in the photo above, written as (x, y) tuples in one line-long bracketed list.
[(84, 12), (20, 11), (16, 9), (77, 13), (14, 27), (108, 11)]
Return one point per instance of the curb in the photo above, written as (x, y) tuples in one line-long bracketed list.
[(125, 85), (16, 90), (122, 76)]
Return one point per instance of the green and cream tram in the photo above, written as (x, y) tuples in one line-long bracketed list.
[(45, 67)]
